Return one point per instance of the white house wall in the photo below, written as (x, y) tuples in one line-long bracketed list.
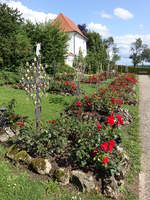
[(80, 42), (71, 43), (76, 41)]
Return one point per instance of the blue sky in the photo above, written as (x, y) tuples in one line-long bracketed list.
[(86, 11), (125, 20)]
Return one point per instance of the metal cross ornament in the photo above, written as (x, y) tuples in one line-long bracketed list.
[(35, 82)]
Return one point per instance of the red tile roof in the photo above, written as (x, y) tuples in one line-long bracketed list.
[(67, 25)]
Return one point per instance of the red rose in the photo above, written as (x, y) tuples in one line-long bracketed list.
[(121, 101), (110, 148), (110, 120), (21, 123), (113, 100), (104, 146), (120, 120), (99, 126), (86, 97), (112, 143), (78, 104), (53, 122), (105, 160), (67, 83), (73, 86)]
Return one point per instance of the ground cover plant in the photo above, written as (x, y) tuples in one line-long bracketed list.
[(87, 134)]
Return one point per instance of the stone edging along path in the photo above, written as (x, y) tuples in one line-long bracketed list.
[(144, 177)]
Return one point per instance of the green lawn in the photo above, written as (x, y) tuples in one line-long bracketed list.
[(15, 185), (52, 105)]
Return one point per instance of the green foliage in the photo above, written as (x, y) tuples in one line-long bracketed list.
[(96, 52), (18, 40), (137, 48), (53, 42), (8, 78), (8, 116), (14, 44), (146, 55), (139, 70), (65, 69)]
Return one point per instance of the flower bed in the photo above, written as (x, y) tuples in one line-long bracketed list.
[(63, 87), (86, 137), (97, 78)]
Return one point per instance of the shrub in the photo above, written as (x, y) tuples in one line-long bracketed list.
[(87, 134), (7, 77)]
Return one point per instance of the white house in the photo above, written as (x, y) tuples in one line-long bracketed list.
[(76, 38)]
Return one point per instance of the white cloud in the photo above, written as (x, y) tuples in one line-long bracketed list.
[(103, 14), (101, 29), (123, 13), (30, 14)]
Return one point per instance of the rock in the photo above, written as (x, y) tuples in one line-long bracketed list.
[(124, 165), (110, 187), (23, 156), (41, 165), (4, 137), (12, 151), (127, 118), (84, 182), (6, 133), (9, 132), (62, 175)]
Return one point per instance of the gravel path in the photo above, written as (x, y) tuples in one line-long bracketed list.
[(144, 177)]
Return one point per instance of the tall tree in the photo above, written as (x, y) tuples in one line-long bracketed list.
[(146, 54), (14, 43), (137, 48), (112, 51), (53, 42), (96, 52)]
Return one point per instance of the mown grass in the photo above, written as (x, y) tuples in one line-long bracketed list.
[(52, 104), (19, 186), (132, 144)]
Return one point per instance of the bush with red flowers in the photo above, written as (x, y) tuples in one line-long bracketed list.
[(98, 78), (87, 135), (62, 87), (8, 117)]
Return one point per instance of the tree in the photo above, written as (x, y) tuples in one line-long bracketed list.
[(96, 52), (146, 55), (109, 42), (83, 29), (53, 42), (112, 51), (79, 65), (15, 45), (136, 51), (115, 56)]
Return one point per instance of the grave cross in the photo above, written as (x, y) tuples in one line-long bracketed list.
[(35, 82)]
